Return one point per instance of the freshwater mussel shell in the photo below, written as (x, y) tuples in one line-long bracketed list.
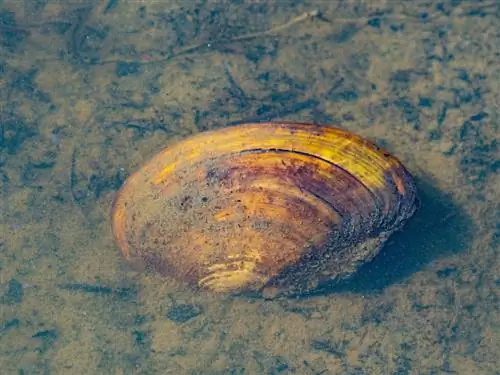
[(263, 206)]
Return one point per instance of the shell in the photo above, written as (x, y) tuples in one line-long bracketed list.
[(263, 206)]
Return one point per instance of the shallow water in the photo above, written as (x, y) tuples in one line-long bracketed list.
[(92, 90)]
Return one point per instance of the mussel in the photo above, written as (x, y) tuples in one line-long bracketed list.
[(263, 206)]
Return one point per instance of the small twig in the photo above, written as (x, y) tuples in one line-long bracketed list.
[(189, 49), (315, 14), (303, 17)]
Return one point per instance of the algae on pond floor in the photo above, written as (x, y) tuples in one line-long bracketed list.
[(91, 90)]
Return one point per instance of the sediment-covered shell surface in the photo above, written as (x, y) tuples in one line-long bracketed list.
[(280, 206)]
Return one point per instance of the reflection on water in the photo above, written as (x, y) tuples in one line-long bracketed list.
[(93, 89)]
